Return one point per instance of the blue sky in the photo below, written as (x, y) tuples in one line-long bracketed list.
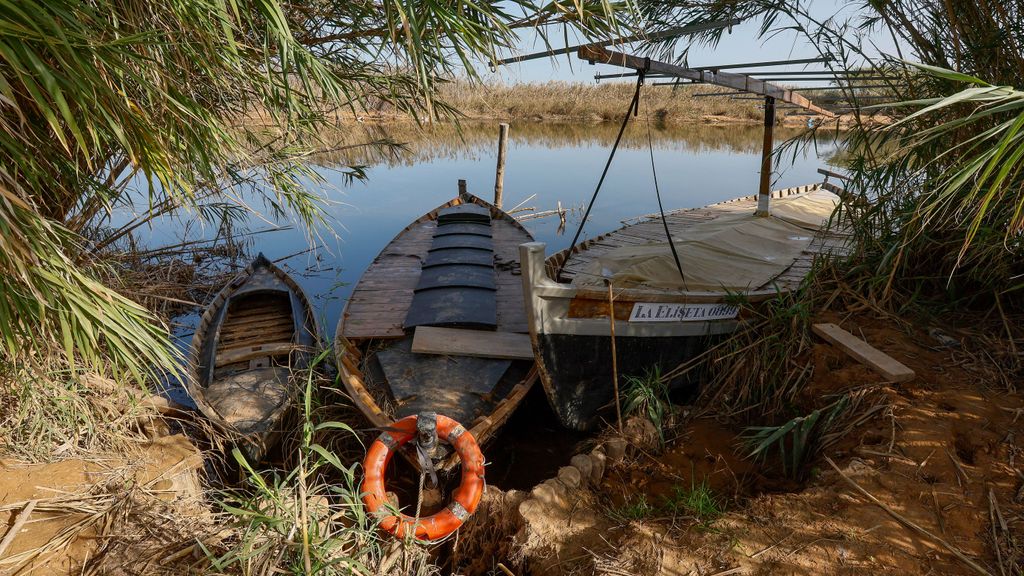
[(741, 45)]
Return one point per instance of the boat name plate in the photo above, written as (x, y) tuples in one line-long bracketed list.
[(676, 312)]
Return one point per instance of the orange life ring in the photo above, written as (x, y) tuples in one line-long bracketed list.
[(465, 499)]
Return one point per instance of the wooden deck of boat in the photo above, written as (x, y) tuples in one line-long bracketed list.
[(381, 299), (647, 229)]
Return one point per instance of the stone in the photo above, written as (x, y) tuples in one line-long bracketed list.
[(551, 494), (171, 466), (583, 463), (531, 508), (615, 448), (570, 476), (858, 467), (642, 433), (597, 463)]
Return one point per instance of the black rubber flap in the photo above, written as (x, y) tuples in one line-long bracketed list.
[(463, 228), (462, 241), (468, 256), (464, 213), (459, 387), (453, 307), (455, 275)]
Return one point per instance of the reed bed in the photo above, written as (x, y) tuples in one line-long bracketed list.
[(564, 101), (591, 102)]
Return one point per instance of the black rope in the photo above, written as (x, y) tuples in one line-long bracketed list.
[(661, 209), (634, 108)]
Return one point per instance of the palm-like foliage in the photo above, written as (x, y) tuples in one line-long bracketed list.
[(208, 104), (973, 181)]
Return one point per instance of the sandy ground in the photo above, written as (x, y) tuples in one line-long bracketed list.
[(942, 452), (72, 508)]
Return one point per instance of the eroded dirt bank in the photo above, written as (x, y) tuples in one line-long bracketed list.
[(941, 452)]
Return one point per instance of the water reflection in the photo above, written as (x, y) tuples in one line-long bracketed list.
[(448, 141), (696, 165)]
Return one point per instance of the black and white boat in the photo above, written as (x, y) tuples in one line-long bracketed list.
[(662, 318)]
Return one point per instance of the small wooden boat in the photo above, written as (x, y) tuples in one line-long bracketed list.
[(727, 255), (253, 337), (436, 323)]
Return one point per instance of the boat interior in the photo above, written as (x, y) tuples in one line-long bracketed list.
[(253, 348), (449, 282)]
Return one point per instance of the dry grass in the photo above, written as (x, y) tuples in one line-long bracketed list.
[(605, 102), (137, 509), (588, 102)]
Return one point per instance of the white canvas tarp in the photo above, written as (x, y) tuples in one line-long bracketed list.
[(734, 252)]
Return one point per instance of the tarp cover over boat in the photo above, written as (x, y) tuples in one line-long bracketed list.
[(457, 285), (734, 252)]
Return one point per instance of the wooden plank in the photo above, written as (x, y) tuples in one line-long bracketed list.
[(355, 331), (241, 316), (265, 324), (231, 356), (893, 370), (476, 343)]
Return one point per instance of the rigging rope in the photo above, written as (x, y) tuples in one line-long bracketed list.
[(633, 109), (657, 191)]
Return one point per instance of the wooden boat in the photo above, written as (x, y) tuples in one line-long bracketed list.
[(448, 284), (660, 324), (253, 337)]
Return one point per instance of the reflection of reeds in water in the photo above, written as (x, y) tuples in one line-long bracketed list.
[(450, 141)]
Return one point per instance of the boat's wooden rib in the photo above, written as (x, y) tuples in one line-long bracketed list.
[(569, 325), (255, 332), (374, 321)]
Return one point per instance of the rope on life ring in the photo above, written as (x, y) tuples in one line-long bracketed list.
[(465, 499)]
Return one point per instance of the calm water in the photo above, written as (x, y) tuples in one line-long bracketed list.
[(696, 165)]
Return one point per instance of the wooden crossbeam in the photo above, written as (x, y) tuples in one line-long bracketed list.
[(828, 173), (726, 79), (765, 64), (478, 343), (233, 355)]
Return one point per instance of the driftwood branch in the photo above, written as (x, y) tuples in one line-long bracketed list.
[(22, 518), (902, 520)]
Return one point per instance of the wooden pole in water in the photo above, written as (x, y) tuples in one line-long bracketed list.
[(615, 361), (499, 174), (763, 193)]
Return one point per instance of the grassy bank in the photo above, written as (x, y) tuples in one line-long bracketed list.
[(591, 102)]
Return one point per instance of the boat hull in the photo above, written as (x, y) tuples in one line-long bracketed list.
[(254, 335), (571, 334), (655, 328), (382, 375), (577, 370)]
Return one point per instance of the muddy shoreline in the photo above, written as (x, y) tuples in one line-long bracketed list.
[(941, 450)]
